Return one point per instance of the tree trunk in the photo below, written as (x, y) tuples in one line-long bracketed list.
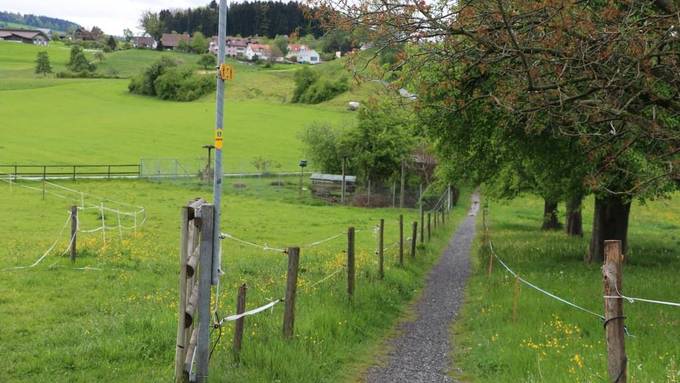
[(610, 222), (574, 218), (550, 219)]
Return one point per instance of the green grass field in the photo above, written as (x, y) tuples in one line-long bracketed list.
[(550, 341), (118, 323)]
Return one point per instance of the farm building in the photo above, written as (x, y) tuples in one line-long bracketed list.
[(85, 35), (172, 40), (26, 36), (303, 54), (327, 184), (144, 42)]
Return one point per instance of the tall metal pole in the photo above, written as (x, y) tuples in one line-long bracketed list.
[(219, 125)]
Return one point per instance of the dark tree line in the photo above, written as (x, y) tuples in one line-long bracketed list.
[(269, 19), (38, 21)]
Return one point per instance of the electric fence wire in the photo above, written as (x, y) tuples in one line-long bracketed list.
[(533, 286)]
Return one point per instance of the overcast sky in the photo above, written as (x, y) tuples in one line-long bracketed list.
[(110, 16)]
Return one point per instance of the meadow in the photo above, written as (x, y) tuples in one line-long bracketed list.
[(98, 121), (117, 320), (112, 315), (549, 341)]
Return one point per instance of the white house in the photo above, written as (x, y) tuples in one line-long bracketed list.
[(303, 54), (258, 52)]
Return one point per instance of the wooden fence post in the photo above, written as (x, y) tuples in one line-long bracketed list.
[(429, 228), (435, 219), (181, 344), (422, 224), (74, 231), (351, 272), (381, 248), (238, 326), (414, 238), (204, 282), (291, 289), (515, 298), (613, 312), (401, 239)]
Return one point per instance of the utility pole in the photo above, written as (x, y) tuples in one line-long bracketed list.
[(219, 130)]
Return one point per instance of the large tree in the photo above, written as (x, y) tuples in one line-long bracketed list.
[(600, 77), (151, 23)]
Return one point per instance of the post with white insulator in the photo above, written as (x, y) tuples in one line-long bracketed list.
[(74, 232)]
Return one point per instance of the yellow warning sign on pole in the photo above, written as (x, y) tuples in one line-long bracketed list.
[(226, 72), (218, 139)]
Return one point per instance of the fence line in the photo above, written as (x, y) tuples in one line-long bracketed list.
[(633, 299), (47, 252), (533, 286), (258, 310)]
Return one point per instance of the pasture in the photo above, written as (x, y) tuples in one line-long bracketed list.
[(112, 316), (117, 322), (549, 341), (97, 121)]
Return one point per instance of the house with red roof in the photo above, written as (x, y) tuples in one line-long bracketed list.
[(303, 54)]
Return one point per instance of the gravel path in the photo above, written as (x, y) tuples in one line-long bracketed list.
[(421, 351)]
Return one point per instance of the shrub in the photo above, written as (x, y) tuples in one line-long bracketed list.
[(324, 90), (165, 80), (78, 62), (144, 82), (181, 84), (207, 60), (304, 78)]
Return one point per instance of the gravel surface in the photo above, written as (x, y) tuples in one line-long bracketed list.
[(421, 351)]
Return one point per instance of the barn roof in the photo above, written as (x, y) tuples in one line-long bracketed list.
[(29, 34), (332, 178), (173, 39)]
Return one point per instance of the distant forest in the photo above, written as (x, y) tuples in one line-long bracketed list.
[(38, 21), (268, 18)]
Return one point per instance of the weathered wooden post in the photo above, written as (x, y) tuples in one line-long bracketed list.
[(181, 344), (414, 238), (351, 272), (239, 325), (429, 227), (422, 224), (403, 184), (401, 239), (613, 312), (187, 336), (74, 231), (435, 219), (204, 284), (381, 248), (291, 289), (515, 298)]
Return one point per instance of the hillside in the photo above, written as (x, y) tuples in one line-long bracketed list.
[(103, 115), (28, 21)]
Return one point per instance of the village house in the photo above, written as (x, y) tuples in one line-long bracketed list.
[(258, 52), (171, 40), (303, 54), (144, 42), (25, 36), (235, 46), (85, 35)]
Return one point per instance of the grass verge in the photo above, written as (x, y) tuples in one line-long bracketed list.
[(550, 341)]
